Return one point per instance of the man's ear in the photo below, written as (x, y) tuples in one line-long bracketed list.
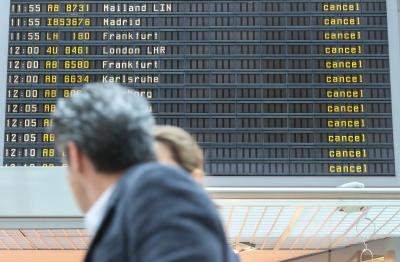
[(74, 158)]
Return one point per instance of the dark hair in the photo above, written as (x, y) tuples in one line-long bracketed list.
[(108, 123)]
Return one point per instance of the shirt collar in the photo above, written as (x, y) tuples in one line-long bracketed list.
[(97, 211)]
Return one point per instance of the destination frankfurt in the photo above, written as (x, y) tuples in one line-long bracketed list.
[(130, 36), (147, 64)]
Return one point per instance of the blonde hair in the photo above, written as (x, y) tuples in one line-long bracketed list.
[(184, 148)]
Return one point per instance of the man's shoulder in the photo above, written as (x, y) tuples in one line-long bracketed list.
[(155, 172), (158, 203), (156, 188), (153, 167), (156, 178)]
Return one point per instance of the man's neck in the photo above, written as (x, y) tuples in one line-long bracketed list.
[(101, 183)]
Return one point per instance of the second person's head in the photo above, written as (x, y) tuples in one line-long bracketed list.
[(175, 146)]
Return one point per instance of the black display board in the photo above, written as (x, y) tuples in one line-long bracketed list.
[(268, 88)]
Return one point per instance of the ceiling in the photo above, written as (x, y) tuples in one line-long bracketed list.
[(272, 225), (260, 224)]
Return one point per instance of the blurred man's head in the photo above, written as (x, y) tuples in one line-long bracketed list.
[(175, 146), (103, 131)]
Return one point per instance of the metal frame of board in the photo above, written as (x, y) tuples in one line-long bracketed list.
[(32, 191)]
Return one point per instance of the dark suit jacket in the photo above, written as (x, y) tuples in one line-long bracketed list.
[(159, 214)]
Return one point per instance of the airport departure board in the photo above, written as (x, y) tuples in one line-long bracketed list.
[(268, 88)]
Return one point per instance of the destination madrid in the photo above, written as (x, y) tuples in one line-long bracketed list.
[(122, 21)]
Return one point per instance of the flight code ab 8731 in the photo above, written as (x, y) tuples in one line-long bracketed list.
[(50, 8)]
